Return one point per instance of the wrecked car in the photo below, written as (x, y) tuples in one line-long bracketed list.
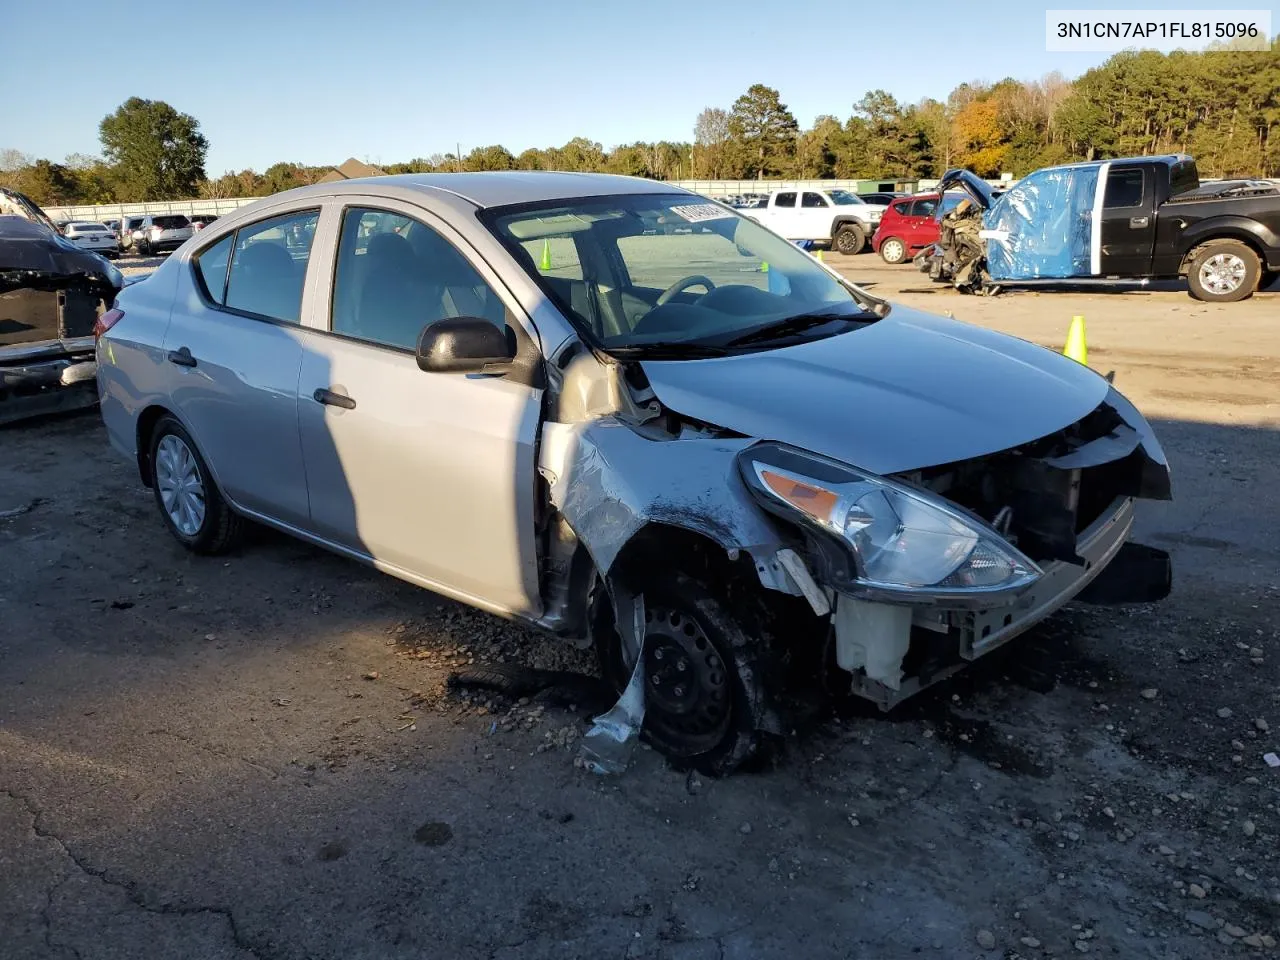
[(51, 294), (506, 388), (1111, 223)]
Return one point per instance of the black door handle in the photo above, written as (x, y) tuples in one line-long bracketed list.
[(182, 357), (329, 398)]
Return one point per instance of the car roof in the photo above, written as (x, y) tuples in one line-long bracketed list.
[(496, 188), (1168, 159)]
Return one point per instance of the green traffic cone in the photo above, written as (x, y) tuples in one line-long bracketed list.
[(546, 255)]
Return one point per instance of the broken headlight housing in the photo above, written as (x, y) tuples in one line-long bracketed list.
[(900, 540)]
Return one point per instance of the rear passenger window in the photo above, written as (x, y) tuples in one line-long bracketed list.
[(211, 265), (395, 275), (785, 200), (1124, 188), (269, 264)]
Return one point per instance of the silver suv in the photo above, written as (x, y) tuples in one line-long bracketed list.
[(162, 232)]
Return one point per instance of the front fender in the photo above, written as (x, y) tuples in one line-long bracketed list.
[(609, 482), (845, 218)]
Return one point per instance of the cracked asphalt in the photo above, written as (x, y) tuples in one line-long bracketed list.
[(256, 756)]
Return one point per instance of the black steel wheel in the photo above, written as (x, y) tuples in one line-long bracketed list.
[(705, 699), (686, 682), (850, 239)]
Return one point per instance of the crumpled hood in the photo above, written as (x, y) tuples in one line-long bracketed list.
[(32, 255), (909, 391)]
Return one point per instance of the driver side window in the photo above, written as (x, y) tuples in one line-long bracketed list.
[(395, 275)]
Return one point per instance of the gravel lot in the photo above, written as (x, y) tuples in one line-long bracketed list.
[(255, 756)]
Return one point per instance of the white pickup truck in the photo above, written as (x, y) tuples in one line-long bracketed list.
[(837, 217)]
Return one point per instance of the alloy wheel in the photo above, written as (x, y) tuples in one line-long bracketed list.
[(1222, 273)]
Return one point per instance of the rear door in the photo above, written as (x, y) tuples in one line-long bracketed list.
[(815, 217), (432, 475), (1128, 221), (234, 347)]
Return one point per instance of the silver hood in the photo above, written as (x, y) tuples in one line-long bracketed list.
[(909, 391)]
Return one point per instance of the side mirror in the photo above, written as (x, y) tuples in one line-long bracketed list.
[(464, 345)]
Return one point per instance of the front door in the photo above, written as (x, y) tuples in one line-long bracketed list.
[(431, 475), (784, 216), (920, 227), (1128, 222), (234, 347)]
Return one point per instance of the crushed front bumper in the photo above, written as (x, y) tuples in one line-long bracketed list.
[(49, 377), (1116, 572)]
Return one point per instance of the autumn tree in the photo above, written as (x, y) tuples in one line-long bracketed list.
[(711, 143), (981, 140)]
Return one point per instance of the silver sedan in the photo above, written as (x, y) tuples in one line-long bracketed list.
[(631, 417)]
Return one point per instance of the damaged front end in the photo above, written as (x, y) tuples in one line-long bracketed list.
[(1065, 502), (959, 256), (905, 578), (51, 295)]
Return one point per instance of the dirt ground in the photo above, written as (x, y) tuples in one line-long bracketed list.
[(254, 756)]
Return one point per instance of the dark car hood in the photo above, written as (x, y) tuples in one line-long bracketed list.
[(970, 183), (32, 255), (909, 391)]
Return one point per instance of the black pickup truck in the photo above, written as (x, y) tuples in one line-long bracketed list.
[(1112, 222)]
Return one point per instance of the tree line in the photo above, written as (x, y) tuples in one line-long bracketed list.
[(1222, 106)]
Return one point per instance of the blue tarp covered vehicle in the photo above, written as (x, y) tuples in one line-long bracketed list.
[(1125, 221)]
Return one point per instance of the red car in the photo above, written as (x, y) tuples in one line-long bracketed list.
[(909, 225)]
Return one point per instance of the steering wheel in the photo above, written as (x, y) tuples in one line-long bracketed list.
[(682, 285)]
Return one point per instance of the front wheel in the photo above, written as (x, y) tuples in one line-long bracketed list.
[(705, 699), (849, 239), (893, 250), (189, 501), (1224, 271)]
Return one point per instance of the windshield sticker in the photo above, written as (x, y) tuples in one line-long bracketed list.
[(698, 212)]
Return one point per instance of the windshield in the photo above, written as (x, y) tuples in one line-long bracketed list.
[(844, 197), (640, 271)]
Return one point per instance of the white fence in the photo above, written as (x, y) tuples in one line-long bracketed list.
[(708, 188), (116, 211)]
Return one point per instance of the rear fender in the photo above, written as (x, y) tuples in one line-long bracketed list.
[(1248, 231)]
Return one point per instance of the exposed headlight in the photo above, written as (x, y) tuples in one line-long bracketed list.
[(902, 540)]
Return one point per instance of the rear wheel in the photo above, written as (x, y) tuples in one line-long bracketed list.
[(849, 239), (893, 250), (705, 700), (1223, 271), (189, 501)]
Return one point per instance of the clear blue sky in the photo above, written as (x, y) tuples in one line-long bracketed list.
[(390, 80)]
